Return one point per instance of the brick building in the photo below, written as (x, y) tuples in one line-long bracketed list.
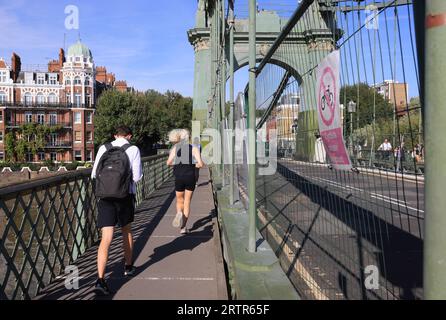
[(395, 93), (62, 97)]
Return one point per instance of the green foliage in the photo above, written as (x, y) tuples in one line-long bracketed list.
[(407, 129), (20, 149), (48, 163), (30, 137), (366, 98), (150, 115), (9, 146)]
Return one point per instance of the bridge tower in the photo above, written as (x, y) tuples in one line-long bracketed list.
[(208, 38)]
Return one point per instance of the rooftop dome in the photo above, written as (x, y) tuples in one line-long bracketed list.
[(79, 49)]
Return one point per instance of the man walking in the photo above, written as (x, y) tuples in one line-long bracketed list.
[(117, 169), (386, 147)]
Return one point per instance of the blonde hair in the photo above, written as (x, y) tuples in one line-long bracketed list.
[(174, 136), (184, 134)]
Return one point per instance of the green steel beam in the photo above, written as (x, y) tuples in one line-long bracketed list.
[(231, 102), (252, 209), (435, 221)]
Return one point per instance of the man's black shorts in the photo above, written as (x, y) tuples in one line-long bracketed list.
[(185, 183), (112, 212)]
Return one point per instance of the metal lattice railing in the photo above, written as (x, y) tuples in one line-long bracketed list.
[(45, 225)]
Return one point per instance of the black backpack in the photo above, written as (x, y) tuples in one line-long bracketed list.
[(113, 174)]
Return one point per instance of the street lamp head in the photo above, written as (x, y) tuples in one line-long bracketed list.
[(351, 107)]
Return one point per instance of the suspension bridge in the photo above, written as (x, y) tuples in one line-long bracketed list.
[(276, 215)]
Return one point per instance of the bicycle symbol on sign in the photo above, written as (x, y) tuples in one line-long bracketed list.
[(327, 99)]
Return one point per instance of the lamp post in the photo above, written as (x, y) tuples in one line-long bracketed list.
[(351, 110)]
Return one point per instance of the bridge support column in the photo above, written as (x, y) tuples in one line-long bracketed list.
[(231, 102), (435, 111), (252, 208), (202, 82)]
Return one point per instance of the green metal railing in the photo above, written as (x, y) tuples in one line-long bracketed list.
[(45, 225)]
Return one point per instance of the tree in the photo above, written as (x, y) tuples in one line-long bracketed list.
[(10, 146), (150, 115), (368, 98)]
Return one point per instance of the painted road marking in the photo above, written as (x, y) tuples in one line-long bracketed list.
[(395, 202), (336, 184)]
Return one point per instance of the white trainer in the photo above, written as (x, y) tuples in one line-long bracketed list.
[(178, 221)]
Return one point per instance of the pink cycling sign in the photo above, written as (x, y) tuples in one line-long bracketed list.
[(327, 94)]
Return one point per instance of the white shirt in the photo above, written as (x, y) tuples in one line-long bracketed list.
[(385, 146), (134, 157)]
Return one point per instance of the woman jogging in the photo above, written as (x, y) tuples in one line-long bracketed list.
[(182, 157)]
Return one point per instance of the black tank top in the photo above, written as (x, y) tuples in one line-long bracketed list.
[(184, 165)]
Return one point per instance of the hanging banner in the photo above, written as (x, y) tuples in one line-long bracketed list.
[(327, 95)]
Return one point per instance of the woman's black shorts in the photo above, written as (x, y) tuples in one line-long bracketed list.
[(185, 183), (112, 212)]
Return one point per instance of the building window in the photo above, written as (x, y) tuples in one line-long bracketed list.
[(41, 118), (2, 156), (77, 100), (78, 59), (41, 156), (87, 100), (28, 99), (40, 98), (1, 136), (53, 156), (53, 79), (40, 79), (87, 81), (77, 81), (1, 116), (89, 156), (89, 116), (53, 118), (77, 118), (2, 97), (29, 157), (68, 98), (28, 117), (67, 82), (3, 75), (78, 155), (52, 98), (89, 136), (77, 137), (54, 139)]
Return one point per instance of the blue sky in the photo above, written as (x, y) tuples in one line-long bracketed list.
[(143, 43)]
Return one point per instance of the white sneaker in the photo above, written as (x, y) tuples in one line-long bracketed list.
[(178, 221)]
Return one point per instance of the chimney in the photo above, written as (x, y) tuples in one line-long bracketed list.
[(61, 57), (16, 66)]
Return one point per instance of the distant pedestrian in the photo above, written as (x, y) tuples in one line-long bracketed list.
[(386, 148), (181, 157), (320, 155), (117, 169)]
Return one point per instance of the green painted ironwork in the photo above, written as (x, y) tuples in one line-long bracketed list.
[(45, 225)]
